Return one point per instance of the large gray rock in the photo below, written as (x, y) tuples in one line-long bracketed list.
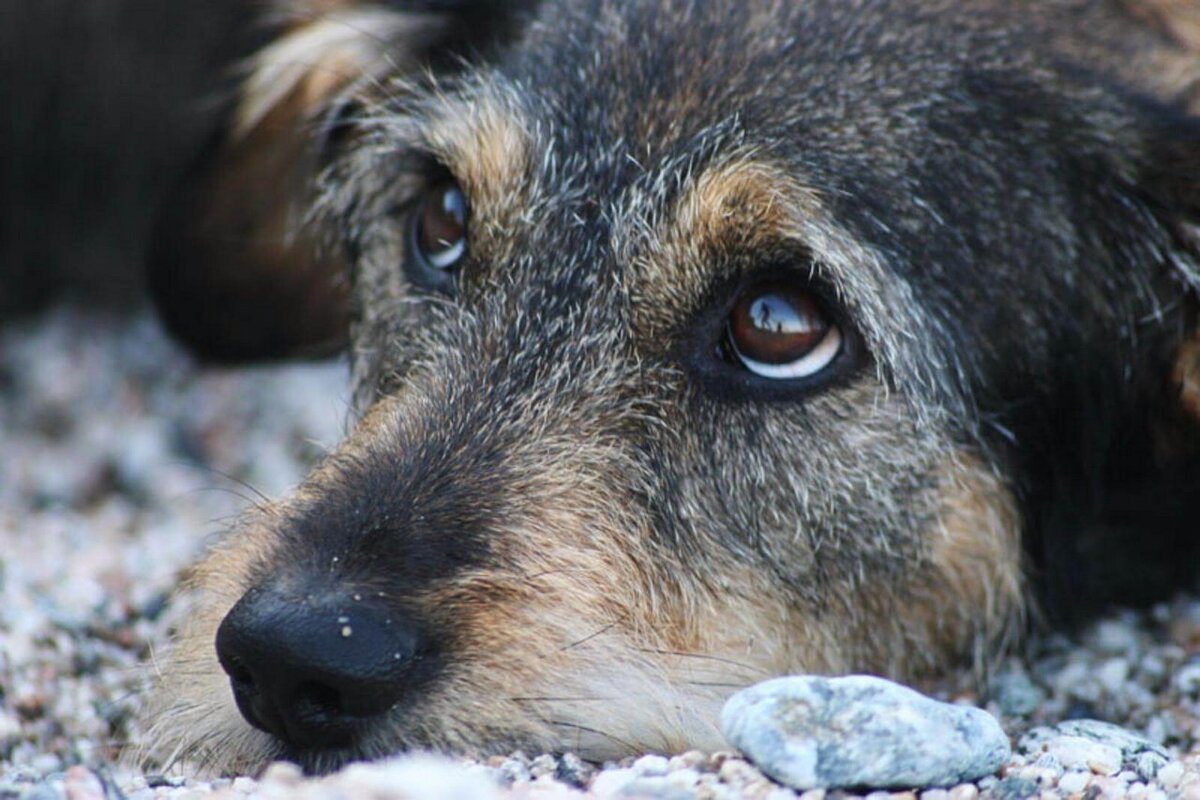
[(820, 733)]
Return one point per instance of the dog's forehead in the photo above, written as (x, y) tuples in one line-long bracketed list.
[(617, 138), (599, 104)]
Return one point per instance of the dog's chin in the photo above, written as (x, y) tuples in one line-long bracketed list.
[(322, 761), (316, 761)]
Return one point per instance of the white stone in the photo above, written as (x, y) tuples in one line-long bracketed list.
[(1170, 775), (1074, 782), (814, 732)]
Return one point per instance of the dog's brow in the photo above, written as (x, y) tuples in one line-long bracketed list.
[(482, 136), (734, 208)]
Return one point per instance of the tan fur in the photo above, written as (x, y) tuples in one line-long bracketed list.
[(1178, 19), (319, 57), (484, 143), (1186, 375), (974, 595), (1172, 68), (735, 206), (192, 717)]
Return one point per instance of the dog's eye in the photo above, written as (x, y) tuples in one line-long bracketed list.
[(777, 330), (439, 235)]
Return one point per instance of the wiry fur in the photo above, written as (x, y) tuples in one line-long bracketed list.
[(606, 528)]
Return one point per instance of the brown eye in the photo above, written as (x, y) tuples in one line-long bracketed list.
[(439, 234), (777, 330)]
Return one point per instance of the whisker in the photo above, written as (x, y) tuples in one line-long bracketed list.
[(560, 699), (704, 657), (589, 637), (585, 729)]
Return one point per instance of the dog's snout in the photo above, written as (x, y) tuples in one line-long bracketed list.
[(313, 670)]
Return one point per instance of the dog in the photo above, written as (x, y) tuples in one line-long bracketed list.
[(692, 343)]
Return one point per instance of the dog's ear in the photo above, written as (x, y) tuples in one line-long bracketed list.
[(1172, 180), (232, 268), (1178, 200), (1177, 20), (1170, 188)]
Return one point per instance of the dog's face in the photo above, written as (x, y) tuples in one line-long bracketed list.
[(694, 343)]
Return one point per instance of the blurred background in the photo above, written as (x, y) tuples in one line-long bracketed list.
[(103, 104)]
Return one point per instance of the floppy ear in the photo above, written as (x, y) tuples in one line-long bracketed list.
[(232, 268), (1178, 20), (1173, 179), (1184, 210)]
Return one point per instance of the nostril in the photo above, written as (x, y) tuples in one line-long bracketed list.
[(318, 700), (238, 673)]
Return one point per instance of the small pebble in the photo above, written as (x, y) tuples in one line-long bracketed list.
[(1015, 789), (1148, 764), (608, 782), (1048, 762), (651, 766), (244, 785), (284, 773), (692, 759), (513, 770), (1015, 693), (574, 771), (1170, 775), (1074, 782), (543, 765), (82, 784)]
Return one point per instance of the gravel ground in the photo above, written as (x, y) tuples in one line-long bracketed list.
[(119, 459)]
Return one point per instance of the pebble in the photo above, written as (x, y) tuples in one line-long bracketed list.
[(574, 771), (651, 765), (543, 765), (1170, 775), (1148, 764), (1101, 747), (1015, 789), (82, 784), (1076, 752), (1074, 782), (1186, 680), (1015, 693), (814, 732), (611, 781)]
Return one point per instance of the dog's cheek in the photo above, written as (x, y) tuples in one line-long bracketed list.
[(972, 597), (191, 716), (582, 635)]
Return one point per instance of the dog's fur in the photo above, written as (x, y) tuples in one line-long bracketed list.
[(602, 524)]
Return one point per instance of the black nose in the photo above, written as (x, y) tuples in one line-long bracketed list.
[(313, 670)]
